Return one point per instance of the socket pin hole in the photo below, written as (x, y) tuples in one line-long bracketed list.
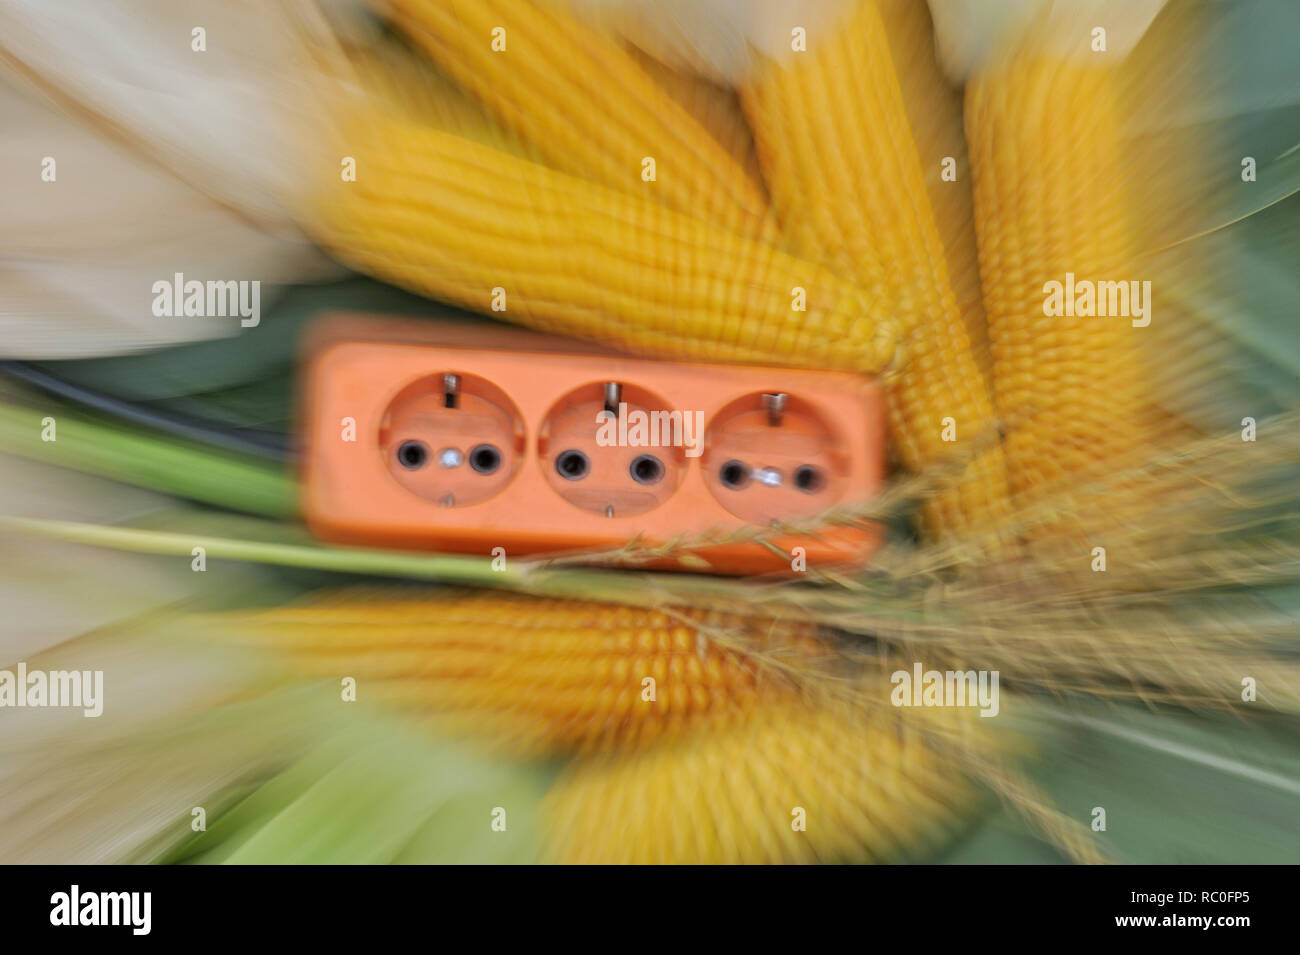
[(733, 475), (809, 479), (413, 454), (646, 469), (485, 458), (572, 465)]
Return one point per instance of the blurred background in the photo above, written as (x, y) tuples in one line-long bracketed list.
[(923, 170)]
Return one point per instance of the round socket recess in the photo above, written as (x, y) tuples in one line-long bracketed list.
[(619, 462), (773, 457), (452, 438)]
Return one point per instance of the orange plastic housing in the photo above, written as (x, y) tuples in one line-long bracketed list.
[(374, 392)]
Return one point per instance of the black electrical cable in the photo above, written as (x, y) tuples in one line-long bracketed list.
[(265, 444)]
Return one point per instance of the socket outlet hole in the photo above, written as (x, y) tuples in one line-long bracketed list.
[(485, 458), (809, 479), (413, 454), (733, 475), (646, 469), (572, 465)]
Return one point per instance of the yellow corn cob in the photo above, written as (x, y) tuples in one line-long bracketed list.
[(534, 675), (934, 115), (708, 772), (581, 98), (716, 108), (454, 219), (847, 183), (1050, 199), (871, 788), (402, 85)]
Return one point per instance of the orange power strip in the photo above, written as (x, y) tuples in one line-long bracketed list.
[(464, 439)]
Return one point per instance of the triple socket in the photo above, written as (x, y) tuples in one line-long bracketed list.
[(465, 439)]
